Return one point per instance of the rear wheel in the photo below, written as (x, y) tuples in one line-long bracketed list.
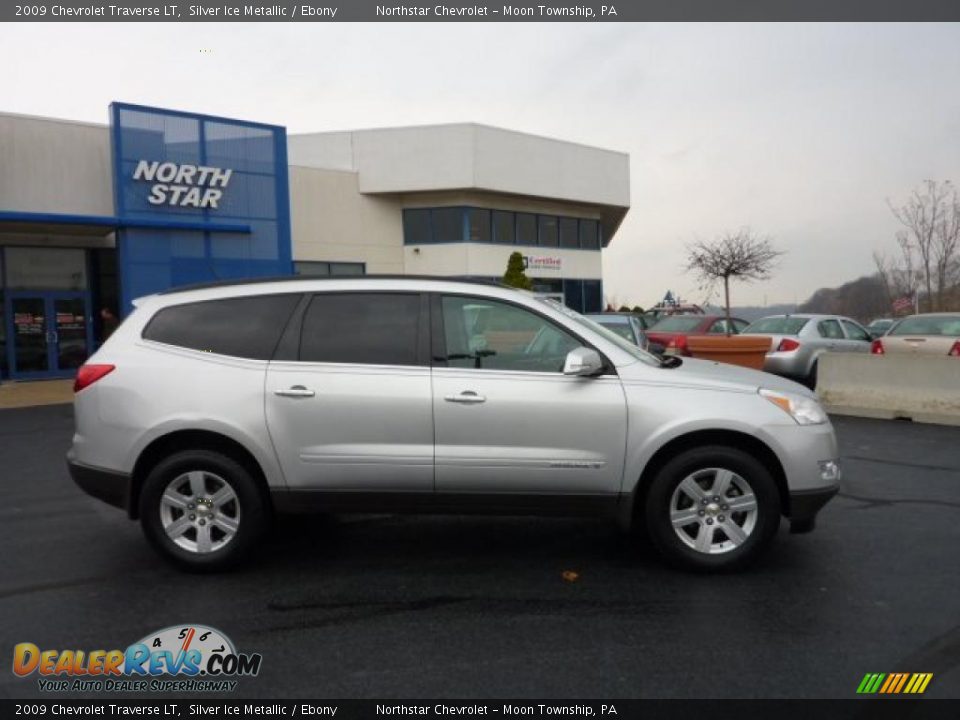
[(202, 510), (811, 381), (712, 508)]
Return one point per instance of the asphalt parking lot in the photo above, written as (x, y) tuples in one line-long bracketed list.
[(411, 607)]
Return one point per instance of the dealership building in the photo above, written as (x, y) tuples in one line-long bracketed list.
[(93, 216)]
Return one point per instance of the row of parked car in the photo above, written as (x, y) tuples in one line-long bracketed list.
[(797, 341)]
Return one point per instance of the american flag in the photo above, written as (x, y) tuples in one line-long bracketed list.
[(902, 303)]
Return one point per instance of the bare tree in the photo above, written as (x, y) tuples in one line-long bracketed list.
[(932, 229), (899, 276), (740, 255)]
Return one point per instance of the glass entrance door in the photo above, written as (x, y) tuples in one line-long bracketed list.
[(49, 333)]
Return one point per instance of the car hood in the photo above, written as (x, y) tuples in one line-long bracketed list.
[(712, 375)]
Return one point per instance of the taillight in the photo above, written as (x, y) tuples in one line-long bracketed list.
[(787, 345), (876, 348), (955, 350), (88, 374)]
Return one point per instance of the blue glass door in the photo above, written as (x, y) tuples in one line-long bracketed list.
[(49, 334)]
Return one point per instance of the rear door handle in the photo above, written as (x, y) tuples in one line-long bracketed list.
[(295, 391), (467, 397)]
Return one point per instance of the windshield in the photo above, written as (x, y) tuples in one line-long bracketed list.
[(606, 333), (782, 325), (948, 325), (678, 324)]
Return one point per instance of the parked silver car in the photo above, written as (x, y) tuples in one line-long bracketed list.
[(210, 409), (798, 341)]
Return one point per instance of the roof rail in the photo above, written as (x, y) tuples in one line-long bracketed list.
[(294, 278)]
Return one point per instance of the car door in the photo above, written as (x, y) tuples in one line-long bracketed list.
[(832, 334), (858, 339), (348, 396), (507, 420)]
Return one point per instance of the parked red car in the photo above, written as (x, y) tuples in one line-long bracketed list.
[(672, 331)]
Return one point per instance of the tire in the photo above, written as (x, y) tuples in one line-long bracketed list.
[(811, 381), (678, 492), (214, 534)]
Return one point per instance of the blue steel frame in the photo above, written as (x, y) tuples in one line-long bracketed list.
[(282, 187)]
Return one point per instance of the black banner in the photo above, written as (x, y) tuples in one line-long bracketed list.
[(860, 709), (478, 11)]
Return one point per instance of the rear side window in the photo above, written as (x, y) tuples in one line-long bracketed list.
[(361, 328), (247, 327), (830, 329), (782, 325)]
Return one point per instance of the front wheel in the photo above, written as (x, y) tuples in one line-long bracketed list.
[(202, 510), (712, 508)]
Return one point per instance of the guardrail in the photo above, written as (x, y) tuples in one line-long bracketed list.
[(922, 388)]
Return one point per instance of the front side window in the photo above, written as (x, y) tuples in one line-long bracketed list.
[(491, 335), (247, 327), (855, 332), (361, 328)]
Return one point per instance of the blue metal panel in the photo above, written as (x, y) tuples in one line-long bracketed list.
[(165, 244)]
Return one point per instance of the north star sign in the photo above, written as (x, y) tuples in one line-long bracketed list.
[(198, 186)]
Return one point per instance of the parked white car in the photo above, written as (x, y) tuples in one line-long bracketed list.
[(210, 409)]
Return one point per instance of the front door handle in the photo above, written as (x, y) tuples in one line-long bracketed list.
[(295, 391), (467, 397)]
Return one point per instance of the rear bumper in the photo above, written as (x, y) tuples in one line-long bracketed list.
[(804, 506), (108, 485)]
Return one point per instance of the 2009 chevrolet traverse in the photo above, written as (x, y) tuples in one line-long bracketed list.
[(211, 408)]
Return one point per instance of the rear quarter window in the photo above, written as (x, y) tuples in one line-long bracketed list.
[(246, 327)]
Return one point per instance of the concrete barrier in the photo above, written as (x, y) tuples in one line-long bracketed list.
[(921, 388)]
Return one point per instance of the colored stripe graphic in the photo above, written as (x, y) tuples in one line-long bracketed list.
[(894, 683)]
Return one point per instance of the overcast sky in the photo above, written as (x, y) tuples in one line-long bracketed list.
[(798, 131)]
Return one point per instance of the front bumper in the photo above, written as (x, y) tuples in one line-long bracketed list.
[(108, 485), (804, 506)]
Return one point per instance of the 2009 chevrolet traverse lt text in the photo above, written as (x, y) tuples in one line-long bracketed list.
[(211, 408)]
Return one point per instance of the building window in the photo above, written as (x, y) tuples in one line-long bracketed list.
[(504, 230), (590, 234), (416, 227), (326, 269), (447, 225), (423, 226), (548, 230), (526, 229), (478, 225), (568, 233)]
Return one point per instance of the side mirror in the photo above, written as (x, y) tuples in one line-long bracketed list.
[(583, 362)]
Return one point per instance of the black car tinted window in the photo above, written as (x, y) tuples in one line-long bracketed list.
[(361, 328), (247, 327)]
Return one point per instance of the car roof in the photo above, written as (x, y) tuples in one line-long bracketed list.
[(344, 283), (806, 316)]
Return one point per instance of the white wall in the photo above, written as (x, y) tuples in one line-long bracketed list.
[(54, 166), (491, 260), (332, 221)]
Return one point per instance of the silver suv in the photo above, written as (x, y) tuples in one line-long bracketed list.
[(212, 408)]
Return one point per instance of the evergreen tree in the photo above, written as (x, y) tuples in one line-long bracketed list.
[(515, 275)]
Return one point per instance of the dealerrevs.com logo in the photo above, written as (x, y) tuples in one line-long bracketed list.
[(179, 658)]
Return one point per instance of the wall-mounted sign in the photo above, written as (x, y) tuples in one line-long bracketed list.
[(542, 262), (183, 185)]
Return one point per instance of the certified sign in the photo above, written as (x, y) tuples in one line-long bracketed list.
[(542, 262), (183, 185)]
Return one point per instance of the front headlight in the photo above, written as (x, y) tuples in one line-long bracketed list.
[(805, 410)]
